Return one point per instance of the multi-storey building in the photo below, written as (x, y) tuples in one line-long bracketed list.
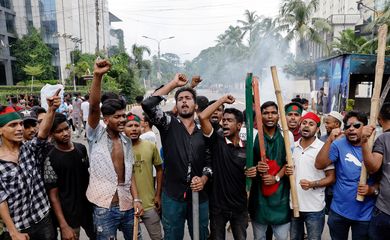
[(7, 38)]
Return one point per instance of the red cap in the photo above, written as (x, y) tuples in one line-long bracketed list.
[(313, 117)]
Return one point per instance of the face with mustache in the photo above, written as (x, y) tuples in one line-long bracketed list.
[(216, 117), (116, 122), (308, 128), (185, 105), (12, 131), (270, 117), (352, 131), (62, 134), (293, 120)]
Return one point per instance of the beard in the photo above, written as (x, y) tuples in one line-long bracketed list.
[(186, 115)]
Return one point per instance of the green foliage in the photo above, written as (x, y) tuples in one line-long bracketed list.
[(348, 42), (28, 50), (38, 82), (33, 70)]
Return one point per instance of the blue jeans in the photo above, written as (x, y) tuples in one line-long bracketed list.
[(339, 227), (379, 225), (108, 220), (314, 222), (174, 215), (280, 231), (238, 222)]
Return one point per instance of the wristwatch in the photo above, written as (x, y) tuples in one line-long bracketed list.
[(277, 178)]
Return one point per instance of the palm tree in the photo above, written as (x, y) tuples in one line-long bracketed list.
[(296, 19), (251, 19), (231, 37), (144, 66), (348, 42)]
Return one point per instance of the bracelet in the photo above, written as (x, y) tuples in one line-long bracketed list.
[(137, 200)]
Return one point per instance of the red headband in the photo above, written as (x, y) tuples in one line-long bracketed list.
[(313, 117)]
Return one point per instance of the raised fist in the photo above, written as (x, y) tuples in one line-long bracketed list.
[(101, 67), (180, 80), (195, 81)]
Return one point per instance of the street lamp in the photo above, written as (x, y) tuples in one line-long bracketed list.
[(158, 52), (360, 6)]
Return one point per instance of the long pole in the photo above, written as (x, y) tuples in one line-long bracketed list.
[(135, 228), (375, 100), (278, 92), (195, 215)]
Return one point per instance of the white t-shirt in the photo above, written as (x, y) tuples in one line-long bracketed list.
[(85, 110), (312, 200), (150, 136)]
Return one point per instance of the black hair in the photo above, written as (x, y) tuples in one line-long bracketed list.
[(237, 114), (186, 89), (147, 119), (269, 104), (14, 100), (362, 117), (58, 119), (110, 106), (139, 99), (108, 95), (29, 123), (213, 101), (244, 114), (385, 111), (296, 100), (35, 111), (304, 101), (202, 103), (86, 97)]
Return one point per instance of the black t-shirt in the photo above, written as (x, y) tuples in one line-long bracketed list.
[(68, 171), (228, 181)]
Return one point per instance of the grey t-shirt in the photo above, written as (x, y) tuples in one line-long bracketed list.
[(382, 146)]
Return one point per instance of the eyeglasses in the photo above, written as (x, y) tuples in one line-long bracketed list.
[(356, 125)]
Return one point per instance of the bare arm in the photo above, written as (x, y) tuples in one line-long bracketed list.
[(138, 209), (66, 231), (372, 160), (322, 159), (6, 217), (100, 68), (159, 179), (53, 103), (204, 116), (178, 81)]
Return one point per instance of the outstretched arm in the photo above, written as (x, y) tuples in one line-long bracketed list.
[(178, 81), (205, 115), (100, 68), (54, 103)]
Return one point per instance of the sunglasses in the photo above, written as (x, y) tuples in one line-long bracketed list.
[(356, 125)]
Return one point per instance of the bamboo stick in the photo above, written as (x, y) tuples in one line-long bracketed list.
[(278, 93), (380, 66), (135, 227), (384, 93)]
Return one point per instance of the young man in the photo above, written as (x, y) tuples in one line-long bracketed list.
[(24, 205), (76, 113), (112, 187), (187, 166), (310, 181), (273, 209), (216, 117), (346, 155), (332, 120), (146, 158), (147, 131), (39, 113), (379, 161), (66, 178), (85, 109), (293, 115), (228, 200), (30, 127), (320, 101)]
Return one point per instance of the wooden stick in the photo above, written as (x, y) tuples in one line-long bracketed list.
[(195, 215), (384, 93), (380, 66), (135, 229), (259, 120), (278, 93)]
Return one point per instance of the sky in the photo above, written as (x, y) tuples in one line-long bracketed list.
[(195, 24)]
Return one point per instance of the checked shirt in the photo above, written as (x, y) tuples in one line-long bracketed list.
[(22, 185)]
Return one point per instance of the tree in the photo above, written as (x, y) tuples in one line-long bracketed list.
[(348, 42), (33, 71), (32, 45), (251, 19), (296, 19), (231, 37)]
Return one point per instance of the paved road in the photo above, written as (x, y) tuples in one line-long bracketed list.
[(239, 104)]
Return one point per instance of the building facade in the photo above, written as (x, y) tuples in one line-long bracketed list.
[(65, 25)]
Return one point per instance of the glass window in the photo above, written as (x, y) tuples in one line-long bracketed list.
[(10, 22)]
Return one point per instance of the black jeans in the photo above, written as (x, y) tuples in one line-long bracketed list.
[(238, 222), (43, 230)]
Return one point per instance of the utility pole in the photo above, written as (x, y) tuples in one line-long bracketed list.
[(97, 25)]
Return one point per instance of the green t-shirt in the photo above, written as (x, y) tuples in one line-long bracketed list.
[(146, 156)]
